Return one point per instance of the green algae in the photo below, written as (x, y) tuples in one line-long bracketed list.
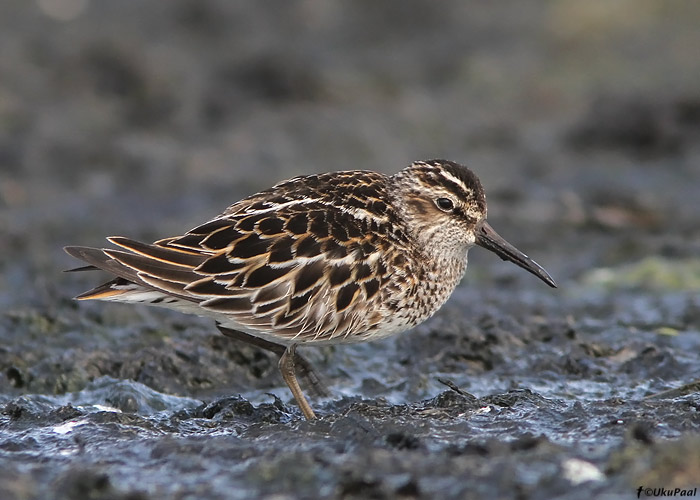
[(651, 273)]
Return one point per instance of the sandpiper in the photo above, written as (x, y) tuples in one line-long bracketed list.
[(330, 258)]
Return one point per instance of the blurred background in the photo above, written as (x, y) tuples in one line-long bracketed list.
[(144, 118)]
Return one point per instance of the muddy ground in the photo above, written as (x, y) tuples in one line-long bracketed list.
[(146, 118)]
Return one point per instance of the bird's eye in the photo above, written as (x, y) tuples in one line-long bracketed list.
[(444, 204)]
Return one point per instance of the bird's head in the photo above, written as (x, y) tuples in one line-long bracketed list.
[(444, 206)]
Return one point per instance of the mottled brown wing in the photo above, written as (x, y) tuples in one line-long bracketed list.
[(304, 259), (313, 274), (308, 259)]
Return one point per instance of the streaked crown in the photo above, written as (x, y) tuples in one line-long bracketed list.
[(444, 202)]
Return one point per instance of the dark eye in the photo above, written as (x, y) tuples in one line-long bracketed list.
[(444, 204)]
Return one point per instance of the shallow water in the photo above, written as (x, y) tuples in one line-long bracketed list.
[(555, 392)]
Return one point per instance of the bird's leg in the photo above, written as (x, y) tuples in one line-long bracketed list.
[(286, 365), (306, 371)]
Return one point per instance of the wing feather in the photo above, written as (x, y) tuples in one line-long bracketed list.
[(153, 267), (171, 255), (289, 262)]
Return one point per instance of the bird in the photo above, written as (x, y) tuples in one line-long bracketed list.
[(329, 258)]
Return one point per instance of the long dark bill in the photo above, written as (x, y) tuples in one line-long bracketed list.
[(489, 239)]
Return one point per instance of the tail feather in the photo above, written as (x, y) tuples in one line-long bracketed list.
[(166, 255), (81, 269), (132, 272), (98, 258), (152, 267), (107, 291)]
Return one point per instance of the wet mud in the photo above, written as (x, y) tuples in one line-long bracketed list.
[(143, 119)]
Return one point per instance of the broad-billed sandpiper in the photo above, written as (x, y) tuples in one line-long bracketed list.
[(330, 258)]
